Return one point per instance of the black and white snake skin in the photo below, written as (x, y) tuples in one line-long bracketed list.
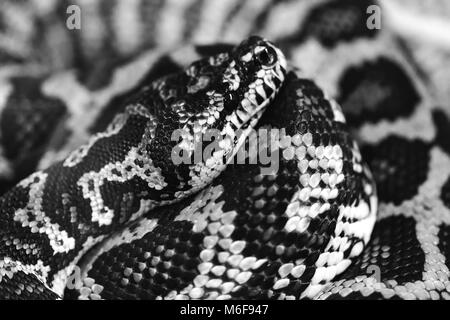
[(116, 219)]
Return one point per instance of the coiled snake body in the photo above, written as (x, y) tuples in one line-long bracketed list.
[(117, 218)]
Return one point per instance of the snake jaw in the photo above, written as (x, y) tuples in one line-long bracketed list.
[(267, 80)]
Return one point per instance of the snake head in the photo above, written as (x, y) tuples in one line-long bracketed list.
[(237, 85), (225, 93)]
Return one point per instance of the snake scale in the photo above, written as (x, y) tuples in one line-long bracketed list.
[(117, 219)]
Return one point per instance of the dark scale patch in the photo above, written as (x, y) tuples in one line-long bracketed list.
[(442, 124), (299, 107), (336, 21), (27, 122), (10, 202), (399, 167), (164, 260), (377, 90), (106, 150), (28, 118), (444, 242), (261, 217), (115, 147), (24, 286), (164, 66), (394, 249), (23, 247), (358, 296)]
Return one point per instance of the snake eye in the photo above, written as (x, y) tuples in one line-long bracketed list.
[(266, 56)]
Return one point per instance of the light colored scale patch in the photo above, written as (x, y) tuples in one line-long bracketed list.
[(194, 123), (322, 164), (137, 163), (61, 278), (33, 216), (15, 243), (231, 77), (429, 213), (90, 290), (8, 267), (207, 217)]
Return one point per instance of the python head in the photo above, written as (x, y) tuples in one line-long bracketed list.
[(220, 96)]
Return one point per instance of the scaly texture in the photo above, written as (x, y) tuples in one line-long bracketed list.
[(393, 95), (55, 215), (252, 235)]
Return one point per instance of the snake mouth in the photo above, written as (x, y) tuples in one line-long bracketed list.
[(260, 94)]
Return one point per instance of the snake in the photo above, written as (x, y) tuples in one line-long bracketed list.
[(356, 209)]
